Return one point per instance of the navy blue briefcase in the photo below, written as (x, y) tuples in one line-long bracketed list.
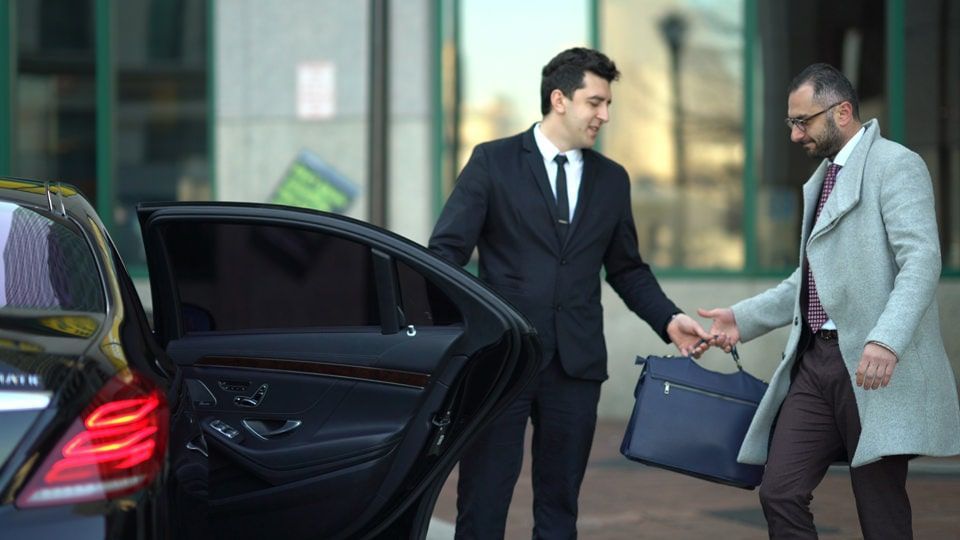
[(692, 420)]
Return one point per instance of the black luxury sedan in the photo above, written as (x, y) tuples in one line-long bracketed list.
[(305, 375)]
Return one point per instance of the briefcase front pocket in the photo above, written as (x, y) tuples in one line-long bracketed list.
[(691, 420)]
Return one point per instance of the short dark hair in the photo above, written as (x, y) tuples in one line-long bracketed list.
[(829, 86), (566, 70)]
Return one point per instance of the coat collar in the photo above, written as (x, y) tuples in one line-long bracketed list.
[(846, 194)]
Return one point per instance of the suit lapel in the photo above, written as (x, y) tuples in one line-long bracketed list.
[(535, 162), (586, 190)]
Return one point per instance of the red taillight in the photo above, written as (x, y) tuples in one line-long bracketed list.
[(116, 447)]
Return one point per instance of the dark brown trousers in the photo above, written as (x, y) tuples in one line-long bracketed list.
[(818, 425)]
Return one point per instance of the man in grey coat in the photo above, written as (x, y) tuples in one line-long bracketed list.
[(863, 308)]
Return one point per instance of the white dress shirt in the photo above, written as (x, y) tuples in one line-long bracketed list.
[(574, 168)]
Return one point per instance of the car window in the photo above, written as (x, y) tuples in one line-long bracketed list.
[(423, 303), (46, 264), (232, 277)]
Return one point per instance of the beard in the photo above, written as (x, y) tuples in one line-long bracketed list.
[(830, 142)]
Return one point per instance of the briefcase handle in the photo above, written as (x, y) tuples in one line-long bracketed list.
[(736, 357), (733, 354)]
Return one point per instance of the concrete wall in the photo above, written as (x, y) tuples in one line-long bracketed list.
[(259, 46)]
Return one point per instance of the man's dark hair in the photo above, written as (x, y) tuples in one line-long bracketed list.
[(829, 86), (566, 70)]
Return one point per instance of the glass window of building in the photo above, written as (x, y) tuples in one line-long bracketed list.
[(931, 84), (500, 58), (793, 35), (160, 111), (55, 93), (677, 126), (147, 117), (716, 186)]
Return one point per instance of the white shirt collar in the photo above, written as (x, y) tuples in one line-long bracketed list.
[(550, 150), (844, 154)]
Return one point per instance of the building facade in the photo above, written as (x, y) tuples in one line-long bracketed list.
[(376, 105)]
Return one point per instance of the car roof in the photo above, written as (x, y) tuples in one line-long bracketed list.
[(53, 197)]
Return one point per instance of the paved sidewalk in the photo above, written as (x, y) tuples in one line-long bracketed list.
[(625, 500)]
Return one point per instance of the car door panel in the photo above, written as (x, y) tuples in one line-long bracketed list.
[(336, 367), (329, 395)]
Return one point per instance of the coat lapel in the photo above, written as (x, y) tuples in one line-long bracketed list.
[(846, 194), (811, 195), (535, 163)]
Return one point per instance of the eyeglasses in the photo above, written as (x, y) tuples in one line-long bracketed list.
[(801, 123)]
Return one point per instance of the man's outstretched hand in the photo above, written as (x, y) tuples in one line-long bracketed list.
[(688, 336), (724, 328)]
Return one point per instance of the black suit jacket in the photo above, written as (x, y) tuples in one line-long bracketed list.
[(503, 205)]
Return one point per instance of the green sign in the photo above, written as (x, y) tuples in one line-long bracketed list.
[(311, 183)]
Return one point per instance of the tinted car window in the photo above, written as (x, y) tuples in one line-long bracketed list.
[(46, 264), (241, 277), (423, 302)]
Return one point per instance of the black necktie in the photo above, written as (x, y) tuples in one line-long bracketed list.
[(563, 207)]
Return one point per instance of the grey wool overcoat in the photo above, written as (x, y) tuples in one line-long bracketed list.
[(875, 256)]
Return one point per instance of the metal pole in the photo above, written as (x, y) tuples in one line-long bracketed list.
[(379, 111)]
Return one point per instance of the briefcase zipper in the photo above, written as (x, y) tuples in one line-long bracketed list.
[(667, 385)]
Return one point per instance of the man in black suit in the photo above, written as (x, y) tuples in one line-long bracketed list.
[(546, 213)]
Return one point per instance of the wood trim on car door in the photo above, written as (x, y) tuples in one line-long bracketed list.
[(326, 369)]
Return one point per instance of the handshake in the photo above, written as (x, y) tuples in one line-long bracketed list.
[(692, 340)]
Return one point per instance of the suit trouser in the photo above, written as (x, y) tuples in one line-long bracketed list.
[(563, 411), (819, 424)]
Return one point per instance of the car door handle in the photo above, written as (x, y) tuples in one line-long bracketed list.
[(266, 429)]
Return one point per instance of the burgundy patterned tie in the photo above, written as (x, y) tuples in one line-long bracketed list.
[(816, 316)]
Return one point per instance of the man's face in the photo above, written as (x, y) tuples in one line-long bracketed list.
[(587, 111), (820, 136)]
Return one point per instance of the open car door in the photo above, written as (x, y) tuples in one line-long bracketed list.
[(337, 369)]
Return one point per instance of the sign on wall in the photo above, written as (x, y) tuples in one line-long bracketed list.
[(312, 183), (316, 91)]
